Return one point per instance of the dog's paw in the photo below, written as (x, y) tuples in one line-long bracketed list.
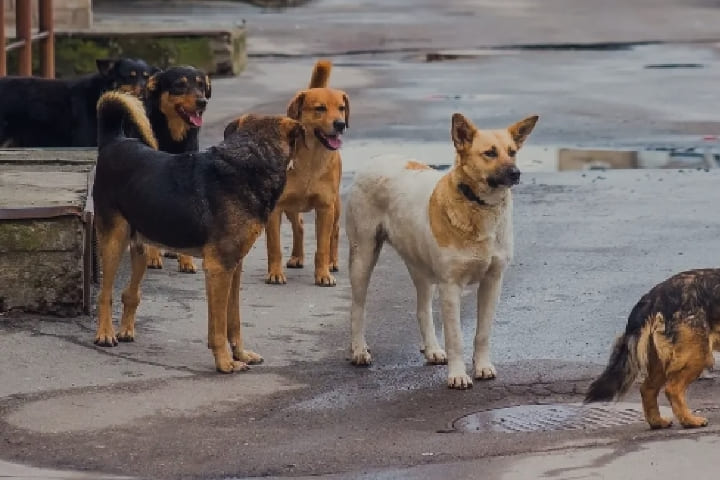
[(660, 423), (126, 335), (324, 280), (693, 421), (106, 338), (186, 264), (295, 262), (361, 357), (154, 260), (334, 266), (247, 356), (435, 356), (170, 254), (485, 371), (275, 278), (224, 363), (460, 382)]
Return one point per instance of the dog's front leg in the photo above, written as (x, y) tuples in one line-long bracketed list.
[(450, 301), (234, 327), (324, 218), (275, 273), (218, 281), (488, 293)]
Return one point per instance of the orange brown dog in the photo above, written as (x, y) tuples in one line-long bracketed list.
[(670, 336), (211, 204), (313, 183)]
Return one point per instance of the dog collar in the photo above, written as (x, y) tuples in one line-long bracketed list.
[(470, 195)]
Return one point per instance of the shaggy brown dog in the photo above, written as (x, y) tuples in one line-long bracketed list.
[(670, 336), (212, 204)]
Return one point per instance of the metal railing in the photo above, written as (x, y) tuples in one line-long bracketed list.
[(24, 37)]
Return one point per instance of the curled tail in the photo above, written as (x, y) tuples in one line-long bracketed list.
[(628, 357), (321, 74), (119, 112)]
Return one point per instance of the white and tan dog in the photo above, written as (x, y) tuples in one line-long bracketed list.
[(452, 230)]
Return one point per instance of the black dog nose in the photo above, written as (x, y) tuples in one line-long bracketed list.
[(201, 102), (339, 126), (513, 173)]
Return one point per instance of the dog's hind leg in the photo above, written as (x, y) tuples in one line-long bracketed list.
[(450, 302), (335, 239), (324, 219), (131, 295), (275, 274), (297, 257), (234, 327), (218, 281), (434, 353), (689, 357), (649, 391), (365, 246), (113, 238), (488, 293)]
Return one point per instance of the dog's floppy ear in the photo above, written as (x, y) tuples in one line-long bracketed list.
[(208, 87), (347, 110), (104, 65), (294, 110), (462, 131), (296, 136), (520, 130)]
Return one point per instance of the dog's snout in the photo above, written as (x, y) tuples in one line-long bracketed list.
[(339, 126), (513, 174), (201, 102)]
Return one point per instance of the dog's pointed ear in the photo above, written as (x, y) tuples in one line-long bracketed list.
[(462, 132), (347, 110), (152, 82), (294, 110), (519, 131), (208, 87), (104, 65)]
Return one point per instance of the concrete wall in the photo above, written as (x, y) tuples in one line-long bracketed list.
[(69, 14)]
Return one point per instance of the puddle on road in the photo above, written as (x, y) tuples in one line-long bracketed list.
[(553, 417), (704, 153)]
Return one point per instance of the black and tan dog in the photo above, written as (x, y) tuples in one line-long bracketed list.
[(175, 101), (212, 204), (670, 336), (40, 112)]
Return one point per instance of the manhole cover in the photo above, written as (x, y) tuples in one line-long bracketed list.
[(558, 416)]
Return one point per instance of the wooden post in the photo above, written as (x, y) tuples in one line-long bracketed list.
[(23, 32), (3, 56), (48, 43)]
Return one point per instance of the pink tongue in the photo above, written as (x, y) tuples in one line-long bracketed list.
[(334, 141), (195, 119)]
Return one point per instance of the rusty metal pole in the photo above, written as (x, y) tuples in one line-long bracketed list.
[(23, 32), (48, 44), (3, 57)]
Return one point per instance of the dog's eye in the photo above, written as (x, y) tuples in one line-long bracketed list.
[(146, 74), (511, 152), (321, 108), (341, 108), (133, 73), (492, 153)]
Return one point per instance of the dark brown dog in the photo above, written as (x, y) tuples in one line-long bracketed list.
[(213, 204), (670, 336)]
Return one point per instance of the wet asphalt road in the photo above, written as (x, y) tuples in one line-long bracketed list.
[(588, 244)]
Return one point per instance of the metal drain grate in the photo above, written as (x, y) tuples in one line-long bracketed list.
[(558, 416)]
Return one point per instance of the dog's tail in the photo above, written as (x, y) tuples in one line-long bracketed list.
[(629, 356), (118, 113), (321, 74)]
